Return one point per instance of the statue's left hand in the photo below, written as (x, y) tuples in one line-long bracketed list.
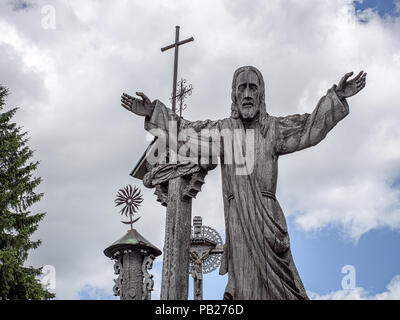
[(347, 88)]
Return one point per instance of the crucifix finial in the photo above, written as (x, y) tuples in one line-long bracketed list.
[(176, 46)]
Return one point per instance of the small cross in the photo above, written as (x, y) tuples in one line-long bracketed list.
[(176, 46)]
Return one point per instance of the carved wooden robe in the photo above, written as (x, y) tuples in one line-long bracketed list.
[(257, 252)]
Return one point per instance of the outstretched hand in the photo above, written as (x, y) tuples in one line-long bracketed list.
[(347, 88), (141, 107)]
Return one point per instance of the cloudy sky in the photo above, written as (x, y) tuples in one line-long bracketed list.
[(341, 198)]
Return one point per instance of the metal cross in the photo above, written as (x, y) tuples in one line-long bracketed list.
[(176, 46)]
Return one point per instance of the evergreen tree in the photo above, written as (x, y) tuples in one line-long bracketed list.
[(17, 224)]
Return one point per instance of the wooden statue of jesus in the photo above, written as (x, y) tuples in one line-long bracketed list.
[(257, 253)]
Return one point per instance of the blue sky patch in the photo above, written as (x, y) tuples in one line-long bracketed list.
[(20, 5), (321, 256), (382, 7), (92, 293)]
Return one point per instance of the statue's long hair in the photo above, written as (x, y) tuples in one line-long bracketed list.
[(261, 102)]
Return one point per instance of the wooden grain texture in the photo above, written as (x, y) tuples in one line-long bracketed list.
[(175, 278)]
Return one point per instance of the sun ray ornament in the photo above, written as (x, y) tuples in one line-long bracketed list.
[(131, 199)]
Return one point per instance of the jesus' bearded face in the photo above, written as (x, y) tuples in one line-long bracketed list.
[(248, 94)]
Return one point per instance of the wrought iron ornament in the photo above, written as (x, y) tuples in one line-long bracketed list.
[(183, 92), (131, 198)]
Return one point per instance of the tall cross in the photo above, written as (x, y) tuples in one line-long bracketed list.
[(176, 46)]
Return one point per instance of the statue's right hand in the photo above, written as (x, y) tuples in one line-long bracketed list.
[(141, 107)]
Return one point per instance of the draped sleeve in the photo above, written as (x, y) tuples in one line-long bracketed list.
[(300, 131), (197, 136)]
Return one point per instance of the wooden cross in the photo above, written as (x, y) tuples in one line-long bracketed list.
[(176, 46)]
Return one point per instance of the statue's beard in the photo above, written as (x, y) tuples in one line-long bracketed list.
[(248, 113)]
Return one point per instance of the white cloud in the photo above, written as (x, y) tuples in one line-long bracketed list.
[(392, 293), (69, 82)]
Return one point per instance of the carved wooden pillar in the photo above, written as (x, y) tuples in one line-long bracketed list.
[(175, 276), (133, 256)]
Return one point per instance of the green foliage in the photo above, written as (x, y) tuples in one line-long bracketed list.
[(17, 224)]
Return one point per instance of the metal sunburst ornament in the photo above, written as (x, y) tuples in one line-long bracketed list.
[(131, 198)]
